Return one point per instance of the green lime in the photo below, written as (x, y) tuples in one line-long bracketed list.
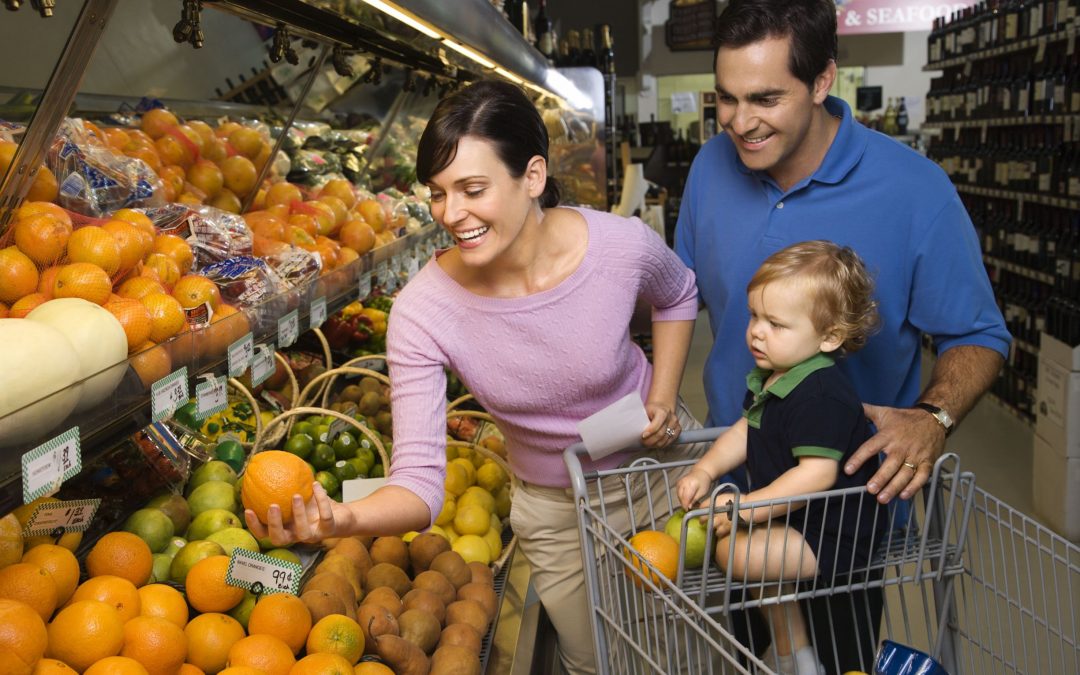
[(344, 471), (345, 445), (300, 445), (361, 465), (323, 457), (284, 554), (377, 471), (321, 432), (329, 482), (230, 452), (302, 428), (336, 496)]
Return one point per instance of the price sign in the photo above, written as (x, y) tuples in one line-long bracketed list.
[(168, 394), (54, 517), (382, 272), (370, 364), (412, 267), (262, 574), (365, 285), (288, 329), (47, 466), (240, 354), (318, 312), (211, 396), (262, 365)]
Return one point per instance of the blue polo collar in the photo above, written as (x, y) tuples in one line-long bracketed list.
[(845, 152)]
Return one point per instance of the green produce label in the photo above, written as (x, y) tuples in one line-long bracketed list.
[(55, 517), (318, 312), (168, 394), (47, 466), (261, 574), (211, 396)]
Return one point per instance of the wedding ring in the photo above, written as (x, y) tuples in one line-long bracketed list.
[(670, 432), (911, 466)]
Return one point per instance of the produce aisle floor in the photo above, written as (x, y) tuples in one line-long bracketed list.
[(992, 442)]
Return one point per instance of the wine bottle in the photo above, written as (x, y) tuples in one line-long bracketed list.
[(901, 117), (545, 36), (606, 57), (588, 50), (573, 37)]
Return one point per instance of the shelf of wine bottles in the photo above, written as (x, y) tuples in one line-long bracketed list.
[(996, 28), (1072, 120)]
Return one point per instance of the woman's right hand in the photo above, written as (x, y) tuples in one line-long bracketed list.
[(692, 487), (311, 523)]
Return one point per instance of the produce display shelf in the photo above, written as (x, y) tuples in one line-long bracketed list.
[(128, 408)]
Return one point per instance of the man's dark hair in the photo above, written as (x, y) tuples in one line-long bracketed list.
[(811, 25)]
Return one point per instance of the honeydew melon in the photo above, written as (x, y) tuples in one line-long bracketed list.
[(35, 360), (98, 339)]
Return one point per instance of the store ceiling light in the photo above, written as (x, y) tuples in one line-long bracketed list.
[(403, 17), (508, 75), (462, 49)]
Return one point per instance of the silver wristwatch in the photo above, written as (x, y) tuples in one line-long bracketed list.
[(943, 418)]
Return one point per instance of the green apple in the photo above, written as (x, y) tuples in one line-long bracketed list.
[(695, 537)]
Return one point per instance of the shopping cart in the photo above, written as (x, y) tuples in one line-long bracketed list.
[(966, 579)]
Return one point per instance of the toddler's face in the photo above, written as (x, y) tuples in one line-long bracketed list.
[(780, 333)]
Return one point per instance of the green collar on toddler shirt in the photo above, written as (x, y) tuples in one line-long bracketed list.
[(783, 386)]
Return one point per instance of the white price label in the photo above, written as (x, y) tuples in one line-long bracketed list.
[(288, 329), (211, 396), (382, 272), (413, 267), (168, 394), (262, 365), (47, 466), (365, 285), (261, 574), (318, 312), (54, 518), (240, 354)]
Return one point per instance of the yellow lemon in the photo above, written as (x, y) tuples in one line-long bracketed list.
[(472, 519), (457, 481), (491, 477), (449, 510), (473, 549), (470, 470), (476, 496), (494, 542)]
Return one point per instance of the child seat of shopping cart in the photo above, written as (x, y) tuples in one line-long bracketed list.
[(977, 586)]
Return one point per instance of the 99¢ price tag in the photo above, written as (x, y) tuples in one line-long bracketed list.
[(211, 396), (365, 285), (54, 518), (47, 466), (288, 329), (240, 354), (262, 365), (168, 394), (261, 574), (318, 312)]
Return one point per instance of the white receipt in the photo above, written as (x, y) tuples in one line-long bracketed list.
[(358, 488), (615, 427)]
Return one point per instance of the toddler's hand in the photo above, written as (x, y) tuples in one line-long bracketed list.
[(692, 487)]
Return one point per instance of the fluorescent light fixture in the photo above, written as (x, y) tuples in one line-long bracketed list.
[(462, 49), (508, 75), (567, 89), (403, 17)]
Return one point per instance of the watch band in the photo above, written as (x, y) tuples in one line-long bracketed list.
[(943, 418)]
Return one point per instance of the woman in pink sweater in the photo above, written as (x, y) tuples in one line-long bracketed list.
[(531, 309)]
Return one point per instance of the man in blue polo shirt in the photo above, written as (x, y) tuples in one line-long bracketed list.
[(793, 165)]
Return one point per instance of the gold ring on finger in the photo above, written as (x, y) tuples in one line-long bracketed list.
[(911, 466)]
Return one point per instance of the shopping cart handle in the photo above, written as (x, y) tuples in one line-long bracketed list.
[(572, 455)]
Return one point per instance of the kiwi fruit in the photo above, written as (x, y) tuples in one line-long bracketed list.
[(454, 660), (387, 597), (336, 586), (462, 635), (420, 628), (386, 574), (374, 620), (470, 612), (453, 567), (402, 656), (369, 403), (352, 393), (424, 548), (321, 604), (369, 384), (438, 584), (484, 596), (422, 598), (384, 423), (481, 573), (390, 550)]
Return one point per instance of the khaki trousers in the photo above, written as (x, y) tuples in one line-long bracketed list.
[(545, 521)]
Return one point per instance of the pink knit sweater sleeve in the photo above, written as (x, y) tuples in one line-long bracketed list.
[(418, 398)]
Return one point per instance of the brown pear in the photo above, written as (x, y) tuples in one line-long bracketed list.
[(453, 567)]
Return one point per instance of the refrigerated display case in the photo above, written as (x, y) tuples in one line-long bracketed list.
[(343, 89)]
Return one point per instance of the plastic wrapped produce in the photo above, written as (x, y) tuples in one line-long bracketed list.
[(93, 179), (214, 235), (245, 281)]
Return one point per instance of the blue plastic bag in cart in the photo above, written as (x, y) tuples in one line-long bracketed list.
[(896, 659)]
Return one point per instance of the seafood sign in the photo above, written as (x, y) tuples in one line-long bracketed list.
[(893, 16)]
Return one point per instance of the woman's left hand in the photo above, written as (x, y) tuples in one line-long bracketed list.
[(663, 427)]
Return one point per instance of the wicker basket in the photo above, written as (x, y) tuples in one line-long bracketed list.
[(279, 432), (508, 549), (286, 419)]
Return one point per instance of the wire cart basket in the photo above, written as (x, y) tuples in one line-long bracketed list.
[(964, 580)]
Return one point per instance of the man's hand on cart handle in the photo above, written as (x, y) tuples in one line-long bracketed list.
[(911, 441), (311, 523), (663, 427)]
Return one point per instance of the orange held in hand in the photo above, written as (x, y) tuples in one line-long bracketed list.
[(273, 477)]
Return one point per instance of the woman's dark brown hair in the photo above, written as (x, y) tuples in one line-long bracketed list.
[(492, 110)]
